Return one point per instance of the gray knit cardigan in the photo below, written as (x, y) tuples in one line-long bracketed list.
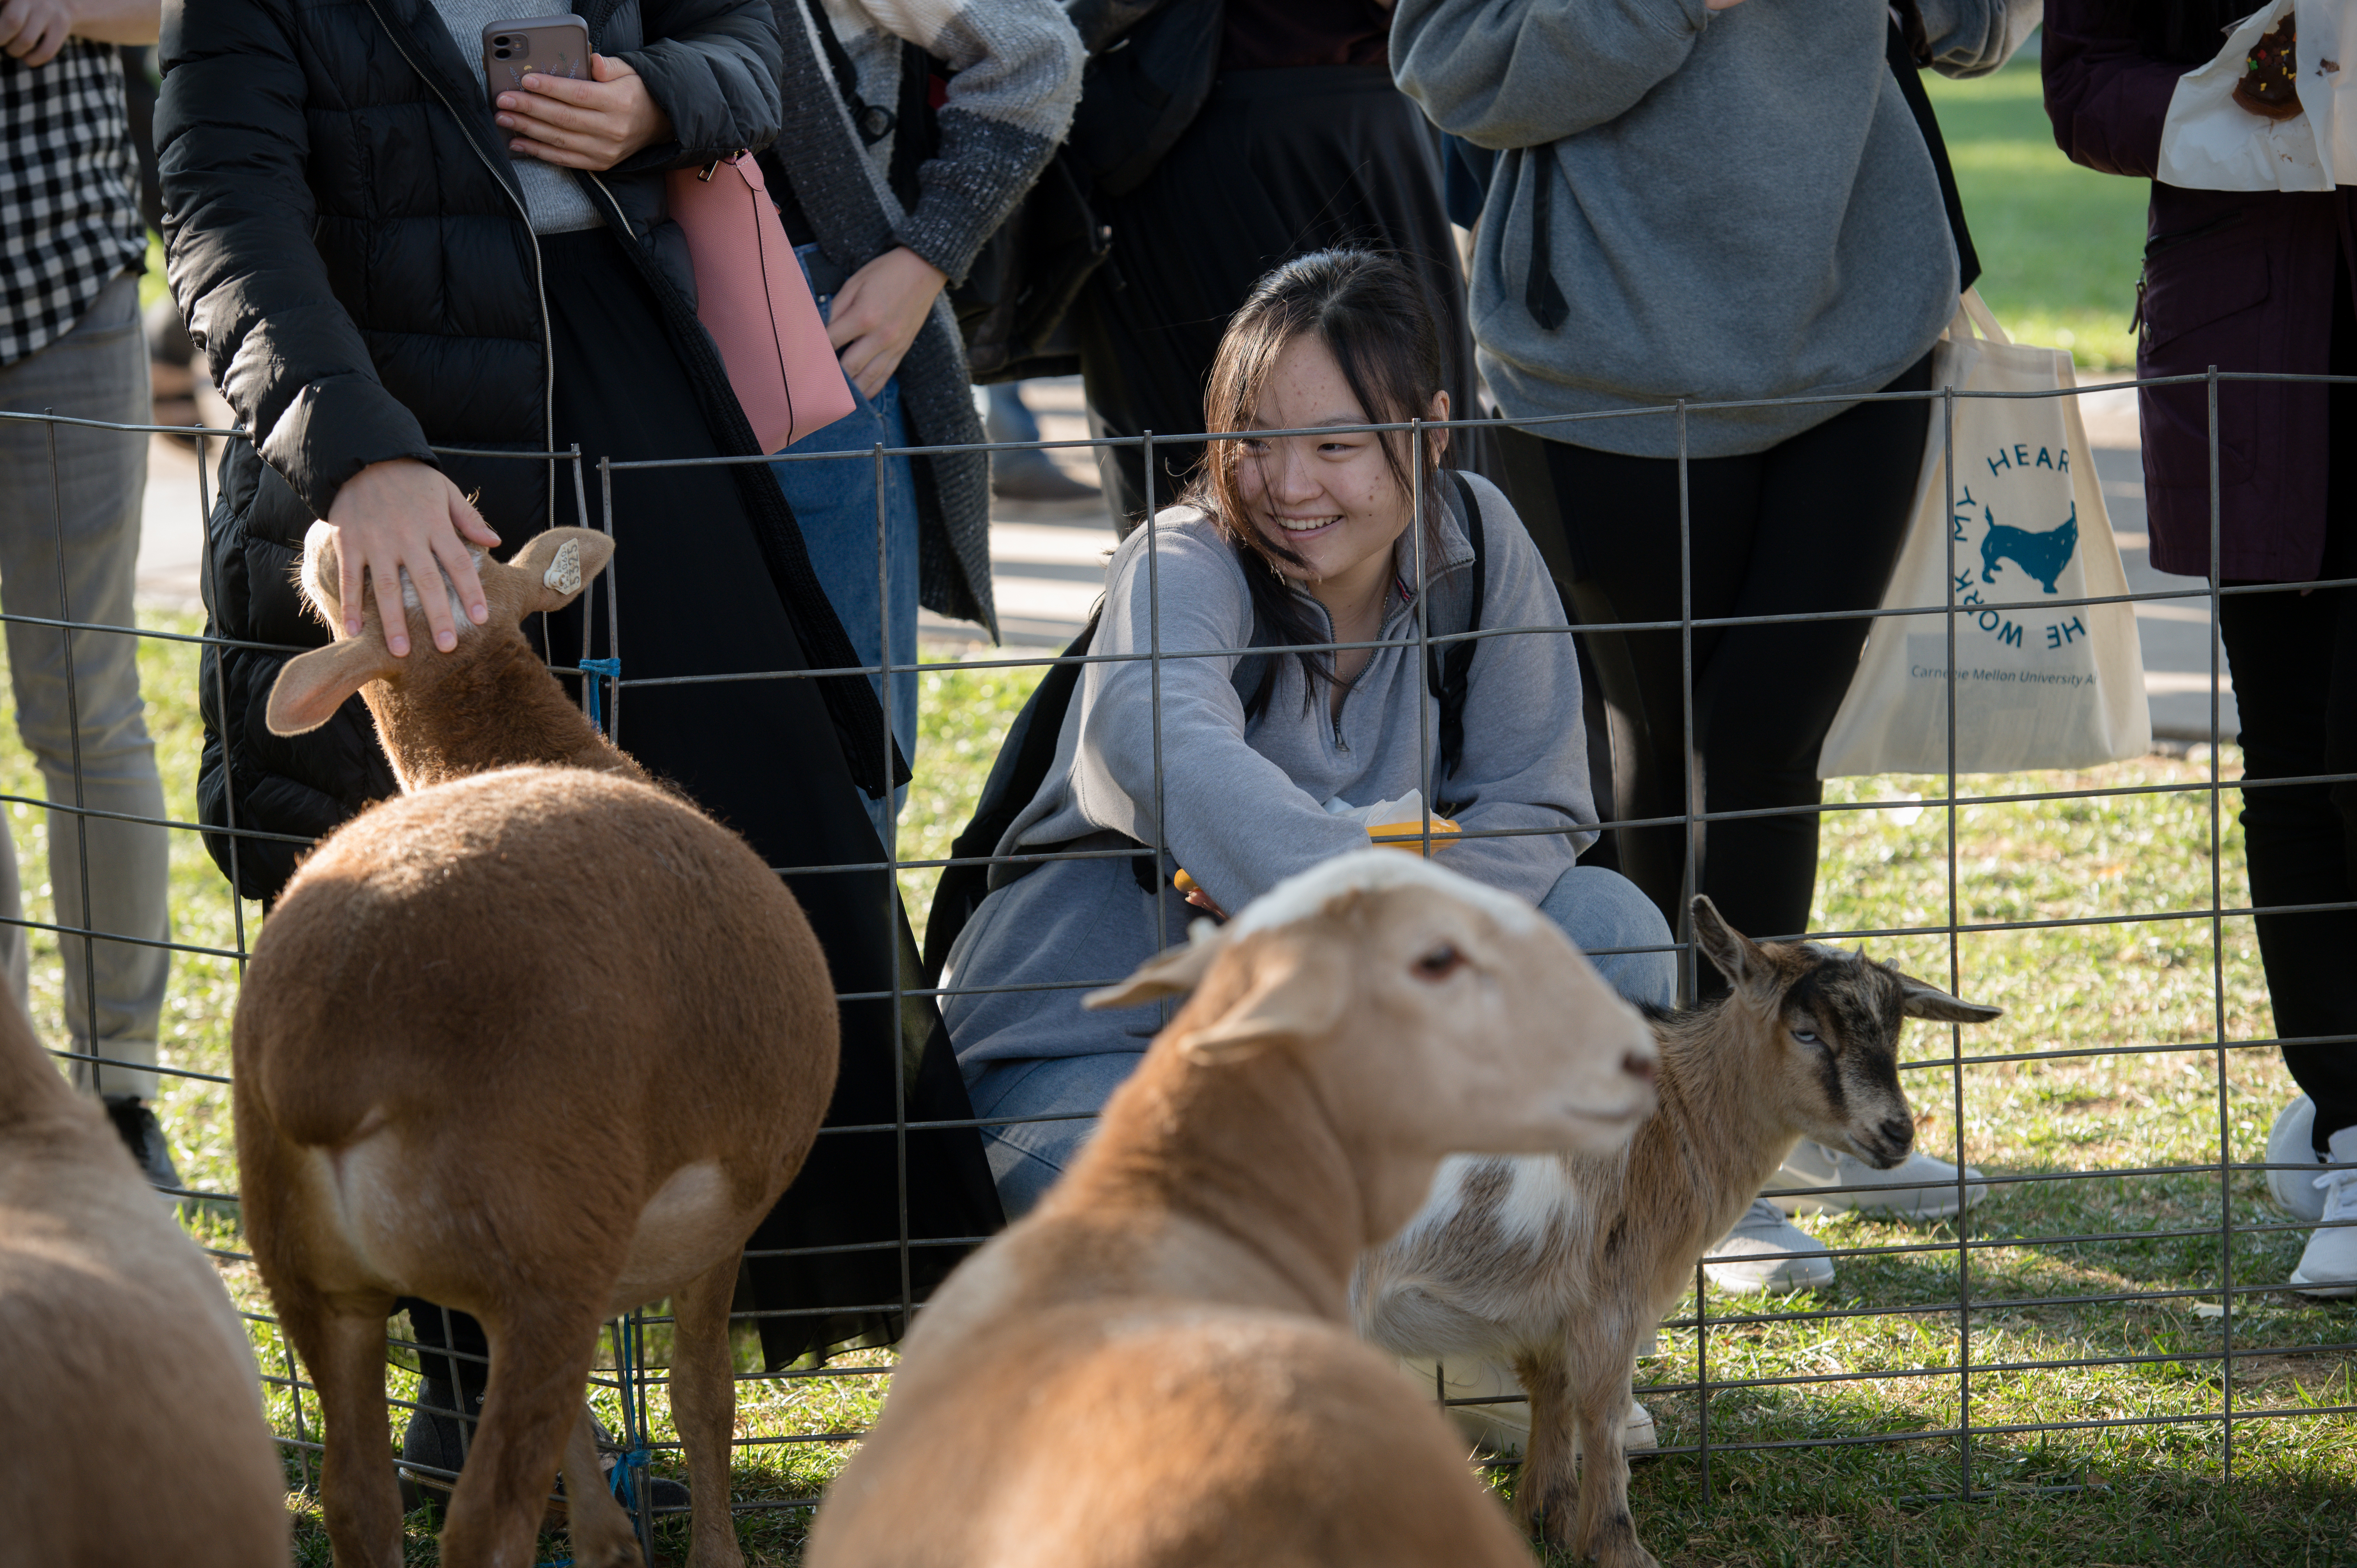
[(1016, 68)]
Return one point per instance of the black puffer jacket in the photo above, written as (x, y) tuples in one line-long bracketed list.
[(346, 238)]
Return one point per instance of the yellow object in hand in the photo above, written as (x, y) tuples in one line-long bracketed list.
[(1406, 835)]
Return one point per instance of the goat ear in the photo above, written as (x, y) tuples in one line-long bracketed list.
[(1918, 1000), (1171, 974), (1290, 1001), (1735, 956), (313, 685), (558, 565)]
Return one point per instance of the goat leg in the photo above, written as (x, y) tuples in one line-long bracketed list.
[(540, 1364), (1606, 1532), (704, 1408), (595, 1523), (1546, 1487), (343, 1345)]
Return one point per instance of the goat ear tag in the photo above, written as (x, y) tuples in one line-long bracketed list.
[(564, 574)]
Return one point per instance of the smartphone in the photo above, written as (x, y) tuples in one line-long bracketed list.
[(551, 46)]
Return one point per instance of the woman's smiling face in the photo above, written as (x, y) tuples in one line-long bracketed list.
[(1330, 496)]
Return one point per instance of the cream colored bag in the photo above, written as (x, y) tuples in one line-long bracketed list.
[(2035, 687)]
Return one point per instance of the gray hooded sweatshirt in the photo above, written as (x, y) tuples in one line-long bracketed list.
[(1739, 203), (1245, 803)]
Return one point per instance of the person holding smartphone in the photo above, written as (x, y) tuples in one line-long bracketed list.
[(380, 255)]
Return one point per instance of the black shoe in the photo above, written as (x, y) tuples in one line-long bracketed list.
[(143, 1136), (431, 1449), (1034, 476)]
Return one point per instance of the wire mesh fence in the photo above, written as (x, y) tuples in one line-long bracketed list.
[(2124, 1275)]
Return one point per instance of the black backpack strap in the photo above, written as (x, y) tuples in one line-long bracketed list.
[(1448, 668), (1024, 759), (1255, 676)]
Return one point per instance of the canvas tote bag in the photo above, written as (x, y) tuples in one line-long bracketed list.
[(2036, 687), (751, 296)]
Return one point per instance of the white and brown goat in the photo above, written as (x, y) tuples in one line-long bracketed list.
[(1562, 1264), (1155, 1368), (540, 1043), (131, 1426)]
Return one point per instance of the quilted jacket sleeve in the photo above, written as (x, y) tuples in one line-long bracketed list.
[(713, 67), (231, 143), (2106, 98)]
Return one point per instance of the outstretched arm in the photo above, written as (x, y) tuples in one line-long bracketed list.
[(238, 216), (35, 30)]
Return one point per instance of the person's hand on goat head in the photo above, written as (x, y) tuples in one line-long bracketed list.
[(403, 515)]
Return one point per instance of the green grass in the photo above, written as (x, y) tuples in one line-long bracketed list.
[(2060, 245), (2151, 1495)]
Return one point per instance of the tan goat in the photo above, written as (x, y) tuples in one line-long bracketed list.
[(1562, 1264), (543, 1043), (131, 1426), (1154, 1367)]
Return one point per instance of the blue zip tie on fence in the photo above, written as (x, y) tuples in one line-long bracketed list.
[(591, 668)]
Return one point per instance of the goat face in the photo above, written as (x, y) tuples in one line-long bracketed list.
[(1436, 1015), (545, 576), (1836, 1019)]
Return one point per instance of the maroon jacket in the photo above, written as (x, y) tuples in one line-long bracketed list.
[(2242, 280)]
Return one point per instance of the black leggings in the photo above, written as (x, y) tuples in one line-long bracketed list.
[(2294, 657), (1812, 524)]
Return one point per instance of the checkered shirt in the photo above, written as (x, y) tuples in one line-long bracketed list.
[(69, 192)]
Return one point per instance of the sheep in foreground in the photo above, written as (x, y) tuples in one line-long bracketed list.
[(1561, 1265), (540, 1043), (130, 1426), (1154, 1367)]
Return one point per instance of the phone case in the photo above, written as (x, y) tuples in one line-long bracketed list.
[(551, 46)]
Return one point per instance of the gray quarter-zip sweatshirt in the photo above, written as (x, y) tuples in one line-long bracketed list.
[(1737, 203), (1245, 804)]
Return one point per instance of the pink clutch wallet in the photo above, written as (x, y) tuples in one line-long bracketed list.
[(751, 296)]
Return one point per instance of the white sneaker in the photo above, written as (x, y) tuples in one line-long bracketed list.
[(1917, 1188), (2329, 1266), (1503, 1431), (2290, 1144), (1766, 1252)]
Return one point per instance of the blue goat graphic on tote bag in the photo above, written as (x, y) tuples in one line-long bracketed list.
[(2042, 555)]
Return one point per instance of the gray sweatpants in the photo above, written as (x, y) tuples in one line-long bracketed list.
[(83, 542)]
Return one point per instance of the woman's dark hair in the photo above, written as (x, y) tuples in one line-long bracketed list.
[(2187, 32), (1373, 317)]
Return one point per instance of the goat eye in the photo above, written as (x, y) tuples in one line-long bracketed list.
[(1807, 1037), (1440, 963)]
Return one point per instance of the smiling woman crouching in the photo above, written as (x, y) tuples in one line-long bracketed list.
[(1282, 541)]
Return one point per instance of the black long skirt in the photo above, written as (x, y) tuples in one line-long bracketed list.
[(1278, 163), (693, 592)]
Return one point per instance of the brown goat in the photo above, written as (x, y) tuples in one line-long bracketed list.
[(1564, 1263), (1154, 1367), (131, 1426), (540, 1043)]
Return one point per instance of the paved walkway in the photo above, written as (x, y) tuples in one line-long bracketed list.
[(1048, 560)]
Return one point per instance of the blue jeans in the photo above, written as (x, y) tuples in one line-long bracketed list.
[(1600, 911), (835, 503)]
